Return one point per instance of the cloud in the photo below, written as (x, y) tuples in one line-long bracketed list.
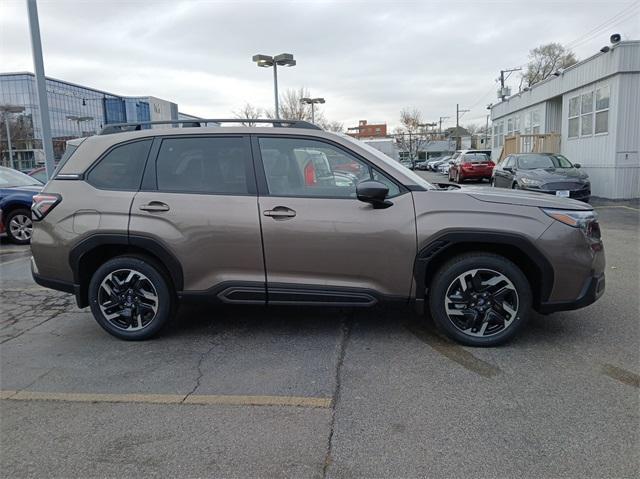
[(369, 59)]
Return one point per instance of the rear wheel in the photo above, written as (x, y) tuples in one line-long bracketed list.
[(19, 226), (480, 299), (515, 186), (131, 297)]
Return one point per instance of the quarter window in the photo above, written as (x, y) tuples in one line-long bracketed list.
[(310, 168), (121, 168), (203, 165)]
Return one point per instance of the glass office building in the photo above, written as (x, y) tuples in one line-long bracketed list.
[(75, 111)]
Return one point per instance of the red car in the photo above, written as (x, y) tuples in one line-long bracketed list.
[(471, 166)]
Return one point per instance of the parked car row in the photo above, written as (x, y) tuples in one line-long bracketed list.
[(548, 173)]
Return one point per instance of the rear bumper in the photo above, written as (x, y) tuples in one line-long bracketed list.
[(58, 285), (592, 290)]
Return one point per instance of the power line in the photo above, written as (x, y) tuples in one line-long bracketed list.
[(614, 20)]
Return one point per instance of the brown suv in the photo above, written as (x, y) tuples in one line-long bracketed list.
[(136, 221)]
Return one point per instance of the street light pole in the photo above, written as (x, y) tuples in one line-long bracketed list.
[(266, 61), (41, 88), (6, 124), (312, 102), (6, 109), (275, 89)]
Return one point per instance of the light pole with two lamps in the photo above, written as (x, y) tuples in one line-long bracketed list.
[(266, 61), (312, 102)]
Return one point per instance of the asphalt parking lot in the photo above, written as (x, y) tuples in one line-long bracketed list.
[(254, 392)]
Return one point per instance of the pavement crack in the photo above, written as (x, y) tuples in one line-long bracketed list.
[(344, 339), (203, 355)]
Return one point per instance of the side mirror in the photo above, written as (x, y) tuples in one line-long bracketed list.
[(508, 168), (577, 165), (374, 192)]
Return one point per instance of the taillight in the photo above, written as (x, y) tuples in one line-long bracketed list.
[(466, 165), (309, 174), (491, 164), (43, 203)]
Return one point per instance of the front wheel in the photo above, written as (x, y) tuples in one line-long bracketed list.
[(131, 298), (480, 299)]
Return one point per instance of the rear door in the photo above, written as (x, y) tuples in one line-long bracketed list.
[(199, 200), (323, 245)]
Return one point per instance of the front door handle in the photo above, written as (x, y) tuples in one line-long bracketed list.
[(280, 212), (154, 206)]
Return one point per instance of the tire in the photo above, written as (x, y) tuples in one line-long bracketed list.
[(515, 186), (493, 182), (488, 319), (134, 296), (19, 226)]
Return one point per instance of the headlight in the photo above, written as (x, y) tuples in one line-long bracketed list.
[(586, 221), (530, 182)]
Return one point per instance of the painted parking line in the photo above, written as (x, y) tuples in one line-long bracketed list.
[(202, 399)]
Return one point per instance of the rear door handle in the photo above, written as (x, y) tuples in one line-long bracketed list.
[(280, 212), (154, 206)]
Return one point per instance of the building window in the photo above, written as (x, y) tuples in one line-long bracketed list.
[(495, 135), (586, 114), (516, 125), (574, 117), (535, 122), (602, 110), (510, 127)]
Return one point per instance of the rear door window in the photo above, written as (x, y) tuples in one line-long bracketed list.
[(121, 168), (214, 165)]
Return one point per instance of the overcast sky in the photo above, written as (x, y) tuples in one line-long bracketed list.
[(369, 59)]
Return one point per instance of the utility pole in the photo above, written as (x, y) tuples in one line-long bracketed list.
[(458, 111), (41, 88), (502, 95), (458, 137), (440, 121)]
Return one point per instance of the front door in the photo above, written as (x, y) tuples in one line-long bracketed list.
[(199, 201), (321, 244)]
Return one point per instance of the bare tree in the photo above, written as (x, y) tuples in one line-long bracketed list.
[(291, 108), (248, 112), (334, 126), (544, 61), (411, 136)]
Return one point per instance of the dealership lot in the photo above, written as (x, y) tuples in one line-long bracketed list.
[(299, 392)]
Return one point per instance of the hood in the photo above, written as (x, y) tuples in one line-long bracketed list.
[(551, 174), (523, 198)]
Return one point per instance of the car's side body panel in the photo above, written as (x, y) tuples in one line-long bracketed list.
[(341, 243), (86, 212)]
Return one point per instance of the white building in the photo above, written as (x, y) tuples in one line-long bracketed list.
[(594, 106)]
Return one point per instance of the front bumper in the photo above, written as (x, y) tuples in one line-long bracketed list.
[(592, 290), (582, 195)]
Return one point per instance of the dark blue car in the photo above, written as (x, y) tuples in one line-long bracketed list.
[(16, 193)]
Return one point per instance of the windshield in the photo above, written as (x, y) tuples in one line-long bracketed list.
[(532, 162), (12, 178), (390, 162)]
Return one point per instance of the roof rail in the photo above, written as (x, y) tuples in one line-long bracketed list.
[(192, 122)]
